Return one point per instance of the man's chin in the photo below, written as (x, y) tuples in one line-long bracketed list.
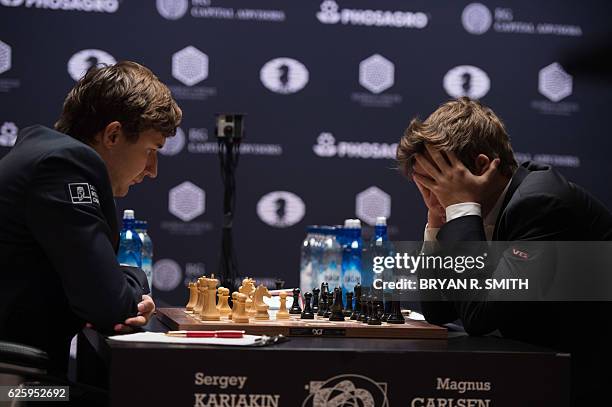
[(121, 191)]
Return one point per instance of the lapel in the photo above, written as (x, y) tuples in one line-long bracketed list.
[(517, 178)]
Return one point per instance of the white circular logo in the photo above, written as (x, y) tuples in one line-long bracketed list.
[(82, 61), (284, 75), (467, 80), (476, 18), (172, 9), (167, 275), (175, 144), (326, 145), (281, 209)]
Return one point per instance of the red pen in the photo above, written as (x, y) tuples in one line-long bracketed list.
[(206, 334)]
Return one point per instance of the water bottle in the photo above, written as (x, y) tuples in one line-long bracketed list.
[(379, 246), (331, 263), (147, 250), (308, 270), (351, 256), (130, 245)]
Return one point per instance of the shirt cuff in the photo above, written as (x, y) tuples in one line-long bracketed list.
[(462, 209), (430, 234)]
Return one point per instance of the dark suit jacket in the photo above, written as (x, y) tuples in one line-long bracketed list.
[(58, 240)]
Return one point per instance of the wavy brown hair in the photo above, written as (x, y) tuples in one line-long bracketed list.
[(126, 92), (462, 126)]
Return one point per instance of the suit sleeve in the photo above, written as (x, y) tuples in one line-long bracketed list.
[(77, 239)]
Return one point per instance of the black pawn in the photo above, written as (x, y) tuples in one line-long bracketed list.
[(374, 316), (357, 309), (337, 314), (323, 299), (348, 310), (396, 316), (328, 306), (365, 310), (295, 307), (307, 313), (315, 301)]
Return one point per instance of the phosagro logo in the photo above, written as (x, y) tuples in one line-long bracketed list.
[(466, 80), (8, 134), (331, 14), (347, 390), (284, 75), (281, 209), (172, 9), (167, 275), (84, 60), (174, 144), (476, 18), (100, 6), (327, 147)]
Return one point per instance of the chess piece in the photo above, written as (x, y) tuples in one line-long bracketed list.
[(307, 313), (223, 306), (365, 309), (357, 310), (328, 306), (396, 316), (279, 284), (337, 313), (234, 302), (261, 308), (193, 296), (315, 301), (295, 307), (202, 290), (387, 307), (210, 312), (348, 310), (239, 315), (375, 312), (282, 313), (323, 299)]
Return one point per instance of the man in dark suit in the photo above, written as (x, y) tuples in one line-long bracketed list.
[(58, 221), (462, 162)]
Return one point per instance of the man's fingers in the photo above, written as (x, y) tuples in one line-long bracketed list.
[(492, 168), (429, 168), (437, 157), (138, 320), (453, 158), (426, 182)]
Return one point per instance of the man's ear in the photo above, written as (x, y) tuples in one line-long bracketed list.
[(482, 164), (111, 134)]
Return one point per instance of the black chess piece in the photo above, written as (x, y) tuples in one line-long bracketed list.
[(295, 307), (307, 313), (387, 308), (315, 301), (323, 299), (374, 316), (337, 313), (365, 309), (396, 316), (279, 284), (357, 310), (348, 310), (328, 306)]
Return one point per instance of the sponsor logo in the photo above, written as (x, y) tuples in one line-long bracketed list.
[(187, 201), (197, 143), (557, 160), (327, 147), (520, 254), (330, 13), (555, 84), (83, 193), (371, 203), (193, 271), (8, 134), (5, 57), (167, 275), (99, 6), (347, 390), (284, 75), (281, 209), (172, 9), (466, 80), (376, 73), (174, 144), (190, 65), (84, 60), (477, 19)]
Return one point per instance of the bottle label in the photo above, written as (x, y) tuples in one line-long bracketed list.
[(351, 278), (331, 275)]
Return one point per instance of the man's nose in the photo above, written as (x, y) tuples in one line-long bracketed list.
[(151, 169)]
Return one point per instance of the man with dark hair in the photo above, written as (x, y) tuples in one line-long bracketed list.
[(58, 221), (462, 162)]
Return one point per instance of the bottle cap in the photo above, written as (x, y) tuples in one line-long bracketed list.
[(381, 221), (128, 214), (357, 224)]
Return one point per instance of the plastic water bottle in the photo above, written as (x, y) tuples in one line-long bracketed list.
[(147, 250), (130, 245), (308, 262), (351, 256), (379, 246), (331, 264)]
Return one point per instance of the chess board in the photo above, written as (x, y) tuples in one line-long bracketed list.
[(179, 319)]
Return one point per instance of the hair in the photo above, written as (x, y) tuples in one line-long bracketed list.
[(126, 92), (462, 126)]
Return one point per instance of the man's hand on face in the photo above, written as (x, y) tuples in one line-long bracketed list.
[(450, 181), (146, 308), (436, 214)]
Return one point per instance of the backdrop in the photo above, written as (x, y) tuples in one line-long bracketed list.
[(329, 88)]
